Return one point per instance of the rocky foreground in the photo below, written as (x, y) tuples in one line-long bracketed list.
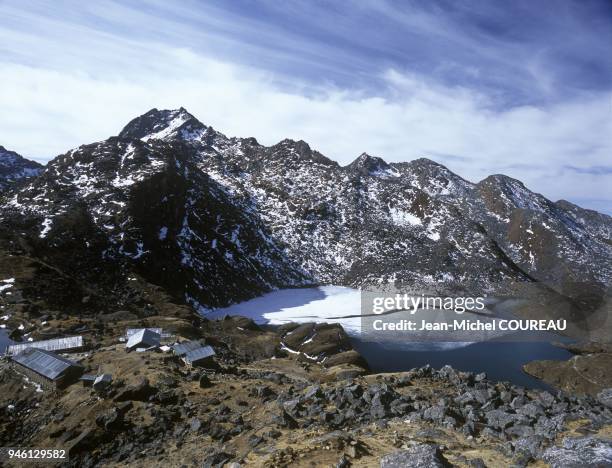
[(292, 396)]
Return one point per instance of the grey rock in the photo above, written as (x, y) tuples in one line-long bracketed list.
[(450, 374), (254, 440), (546, 399), (468, 428), (520, 430), (264, 392), (560, 407), (491, 433), (533, 410), (139, 392), (418, 456), (499, 419), (531, 445), (449, 421), (313, 392), (518, 401), (110, 420), (477, 463), (605, 397), (292, 406), (217, 459), (584, 452), (195, 425), (548, 427), (477, 395), (435, 413), (283, 419)]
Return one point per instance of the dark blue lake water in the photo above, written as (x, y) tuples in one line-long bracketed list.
[(501, 361), (333, 304)]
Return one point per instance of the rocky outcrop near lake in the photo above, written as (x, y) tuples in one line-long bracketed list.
[(587, 372), (268, 401)]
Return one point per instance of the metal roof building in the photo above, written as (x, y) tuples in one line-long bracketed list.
[(131, 331), (160, 331), (88, 380), (144, 338), (47, 368), (65, 345), (180, 349), (200, 356)]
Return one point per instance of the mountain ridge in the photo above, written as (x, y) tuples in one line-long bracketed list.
[(189, 120), (14, 168), (303, 219)]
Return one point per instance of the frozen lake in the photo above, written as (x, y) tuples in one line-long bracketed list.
[(331, 304), (334, 304)]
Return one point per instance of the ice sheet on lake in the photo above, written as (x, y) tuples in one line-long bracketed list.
[(325, 304), (329, 304)]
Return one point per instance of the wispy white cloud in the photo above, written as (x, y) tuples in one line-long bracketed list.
[(68, 80)]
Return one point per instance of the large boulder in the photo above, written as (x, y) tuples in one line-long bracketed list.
[(142, 391), (318, 340), (418, 456), (605, 397), (499, 419), (583, 452)]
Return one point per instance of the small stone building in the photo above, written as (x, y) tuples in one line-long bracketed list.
[(200, 357), (46, 368), (143, 339), (68, 344), (180, 349)]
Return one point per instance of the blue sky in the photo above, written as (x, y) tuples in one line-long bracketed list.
[(522, 88)]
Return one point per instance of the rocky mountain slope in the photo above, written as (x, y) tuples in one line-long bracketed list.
[(125, 205), (214, 219), (361, 223), (15, 168), (264, 407)]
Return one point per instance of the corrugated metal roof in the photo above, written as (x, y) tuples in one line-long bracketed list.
[(45, 363), (56, 344), (198, 354), (131, 331), (180, 349), (144, 338)]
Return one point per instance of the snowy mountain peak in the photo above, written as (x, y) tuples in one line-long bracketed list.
[(164, 124), (433, 178), (506, 193), (502, 181), (427, 162), (299, 146), (427, 166), (299, 150), (373, 166)]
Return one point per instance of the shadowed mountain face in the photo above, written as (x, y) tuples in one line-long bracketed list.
[(15, 169), (213, 219)]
